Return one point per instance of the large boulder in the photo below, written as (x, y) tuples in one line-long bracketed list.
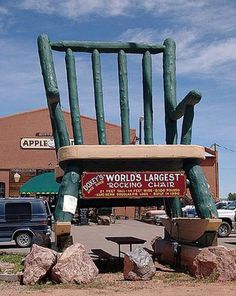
[(74, 266), (38, 264), (216, 262), (138, 265)]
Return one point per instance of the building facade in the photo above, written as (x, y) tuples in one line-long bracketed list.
[(27, 146), (27, 150)]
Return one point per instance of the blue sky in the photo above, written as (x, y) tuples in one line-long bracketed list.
[(205, 34)]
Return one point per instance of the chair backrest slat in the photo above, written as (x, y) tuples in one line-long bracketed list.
[(107, 47), (73, 97), (147, 98), (124, 99), (98, 95), (169, 77)]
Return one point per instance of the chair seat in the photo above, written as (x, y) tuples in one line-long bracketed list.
[(125, 152), (189, 229)]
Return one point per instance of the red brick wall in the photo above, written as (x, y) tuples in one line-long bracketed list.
[(210, 168)]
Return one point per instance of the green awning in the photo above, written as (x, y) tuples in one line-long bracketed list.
[(41, 184)]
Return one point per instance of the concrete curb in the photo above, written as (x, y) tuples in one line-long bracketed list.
[(9, 277)]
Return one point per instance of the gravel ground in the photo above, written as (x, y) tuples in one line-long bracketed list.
[(163, 284)]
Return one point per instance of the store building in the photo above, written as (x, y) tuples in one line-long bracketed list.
[(27, 150)]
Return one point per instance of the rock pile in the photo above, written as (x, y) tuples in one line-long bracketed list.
[(216, 262), (74, 265)]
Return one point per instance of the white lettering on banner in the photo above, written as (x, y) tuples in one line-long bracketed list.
[(133, 180), (39, 143), (95, 181), (123, 177), (161, 184), (133, 184), (69, 204), (124, 185), (161, 177)]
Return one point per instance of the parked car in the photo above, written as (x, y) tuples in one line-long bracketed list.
[(189, 211), (95, 214), (230, 206), (223, 203), (153, 216), (21, 219), (228, 216)]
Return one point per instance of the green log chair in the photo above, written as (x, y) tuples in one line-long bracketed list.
[(69, 156)]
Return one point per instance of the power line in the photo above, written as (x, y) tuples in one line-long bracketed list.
[(221, 146)]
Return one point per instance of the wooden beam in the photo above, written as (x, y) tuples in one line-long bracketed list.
[(107, 47)]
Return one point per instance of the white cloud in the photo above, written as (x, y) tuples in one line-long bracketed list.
[(3, 11), (194, 54), (76, 8), (45, 6), (164, 6), (207, 58), (138, 35), (6, 19), (217, 15)]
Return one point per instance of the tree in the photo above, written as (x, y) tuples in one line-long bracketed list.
[(232, 196)]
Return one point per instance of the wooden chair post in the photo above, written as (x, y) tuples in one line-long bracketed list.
[(73, 97), (98, 95), (69, 189), (124, 99), (147, 98), (173, 206)]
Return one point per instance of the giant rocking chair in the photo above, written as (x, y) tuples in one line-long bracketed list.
[(76, 159)]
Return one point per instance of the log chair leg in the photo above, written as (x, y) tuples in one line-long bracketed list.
[(199, 189), (68, 194)]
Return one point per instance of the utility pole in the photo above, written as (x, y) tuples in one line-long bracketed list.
[(216, 171), (141, 119)]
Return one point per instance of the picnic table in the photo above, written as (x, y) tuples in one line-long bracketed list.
[(125, 240)]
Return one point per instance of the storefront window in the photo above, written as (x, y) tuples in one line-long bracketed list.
[(2, 189)]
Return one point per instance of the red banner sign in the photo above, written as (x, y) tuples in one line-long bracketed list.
[(133, 184)]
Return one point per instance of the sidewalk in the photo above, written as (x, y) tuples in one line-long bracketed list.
[(93, 236)]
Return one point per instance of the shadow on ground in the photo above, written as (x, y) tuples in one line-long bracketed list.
[(113, 265)]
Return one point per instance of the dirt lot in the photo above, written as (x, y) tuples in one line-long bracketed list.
[(164, 283)]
